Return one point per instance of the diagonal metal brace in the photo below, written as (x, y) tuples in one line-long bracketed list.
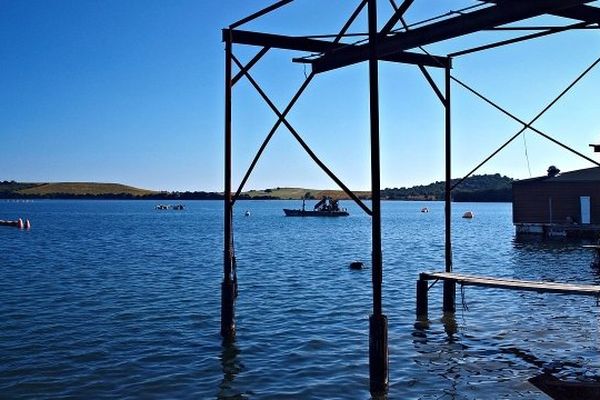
[(270, 135), (250, 64), (302, 142)]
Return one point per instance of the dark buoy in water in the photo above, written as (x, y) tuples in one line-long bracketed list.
[(356, 265)]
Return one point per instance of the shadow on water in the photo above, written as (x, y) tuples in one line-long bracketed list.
[(577, 387), (231, 366)]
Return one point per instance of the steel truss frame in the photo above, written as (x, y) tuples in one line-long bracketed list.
[(394, 45)]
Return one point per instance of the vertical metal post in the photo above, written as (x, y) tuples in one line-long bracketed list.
[(227, 287), (449, 287), (422, 306), (378, 350)]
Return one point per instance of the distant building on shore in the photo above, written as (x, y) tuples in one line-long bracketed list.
[(559, 204)]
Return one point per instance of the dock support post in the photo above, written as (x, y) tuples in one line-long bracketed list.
[(228, 285), (422, 301), (449, 286), (378, 332)]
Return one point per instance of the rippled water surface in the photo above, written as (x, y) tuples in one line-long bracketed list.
[(113, 299)]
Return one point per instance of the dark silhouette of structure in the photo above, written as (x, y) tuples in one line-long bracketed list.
[(396, 42)]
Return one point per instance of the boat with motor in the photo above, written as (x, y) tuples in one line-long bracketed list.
[(326, 207)]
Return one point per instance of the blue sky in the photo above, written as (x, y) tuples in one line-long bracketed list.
[(132, 92)]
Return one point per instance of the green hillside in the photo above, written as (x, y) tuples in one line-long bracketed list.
[(15, 189), (476, 188)]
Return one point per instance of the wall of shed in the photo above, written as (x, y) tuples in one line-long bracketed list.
[(531, 201)]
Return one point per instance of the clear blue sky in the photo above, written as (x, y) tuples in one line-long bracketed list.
[(132, 92)]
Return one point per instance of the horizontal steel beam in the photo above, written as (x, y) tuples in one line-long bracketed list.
[(323, 46), (405, 57), (581, 12), (463, 24), (280, 41)]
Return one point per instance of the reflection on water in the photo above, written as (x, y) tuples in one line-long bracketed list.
[(231, 368), (450, 326)]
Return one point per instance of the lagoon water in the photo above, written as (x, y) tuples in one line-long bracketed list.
[(113, 299)]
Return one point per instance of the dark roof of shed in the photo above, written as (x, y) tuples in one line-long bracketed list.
[(580, 175)]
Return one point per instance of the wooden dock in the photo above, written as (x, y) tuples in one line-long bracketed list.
[(499, 283)]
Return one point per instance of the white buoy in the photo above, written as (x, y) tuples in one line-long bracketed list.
[(20, 223), (27, 224)]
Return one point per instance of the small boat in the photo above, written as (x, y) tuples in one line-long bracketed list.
[(161, 207), (326, 207), (178, 207), (468, 215), (424, 210)]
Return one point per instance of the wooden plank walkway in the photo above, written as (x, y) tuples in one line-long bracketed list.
[(514, 284)]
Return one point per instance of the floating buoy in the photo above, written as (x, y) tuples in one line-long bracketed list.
[(356, 265), (27, 224), (468, 214), (424, 210), (247, 213), (20, 223)]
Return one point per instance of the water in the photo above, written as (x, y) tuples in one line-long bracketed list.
[(113, 299)]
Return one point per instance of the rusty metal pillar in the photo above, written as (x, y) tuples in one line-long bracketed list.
[(378, 332), (227, 287), (449, 286)]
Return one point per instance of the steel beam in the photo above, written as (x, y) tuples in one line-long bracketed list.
[(378, 331), (260, 13), (250, 64), (227, 286), (323, 46), (405, 57), (447, 29), (449, 287), (550, 31), (280, 41), (398, 13), (581, 12)]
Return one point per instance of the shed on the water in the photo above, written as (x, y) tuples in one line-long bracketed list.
[(559, 204)]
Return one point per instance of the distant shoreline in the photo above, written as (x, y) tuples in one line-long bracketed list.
[(478, 188)]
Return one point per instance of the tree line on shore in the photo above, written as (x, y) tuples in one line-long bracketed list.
[(478, 188)]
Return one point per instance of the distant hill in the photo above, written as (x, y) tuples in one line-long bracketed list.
[(12, 189), (478, 188)]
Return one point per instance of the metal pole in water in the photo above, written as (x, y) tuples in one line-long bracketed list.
[(449, 286), (227, 287), (378, 332)]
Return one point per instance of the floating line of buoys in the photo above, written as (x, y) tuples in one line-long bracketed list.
[(17, 224)]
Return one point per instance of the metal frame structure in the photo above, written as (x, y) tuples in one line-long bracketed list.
[(387, 44)]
